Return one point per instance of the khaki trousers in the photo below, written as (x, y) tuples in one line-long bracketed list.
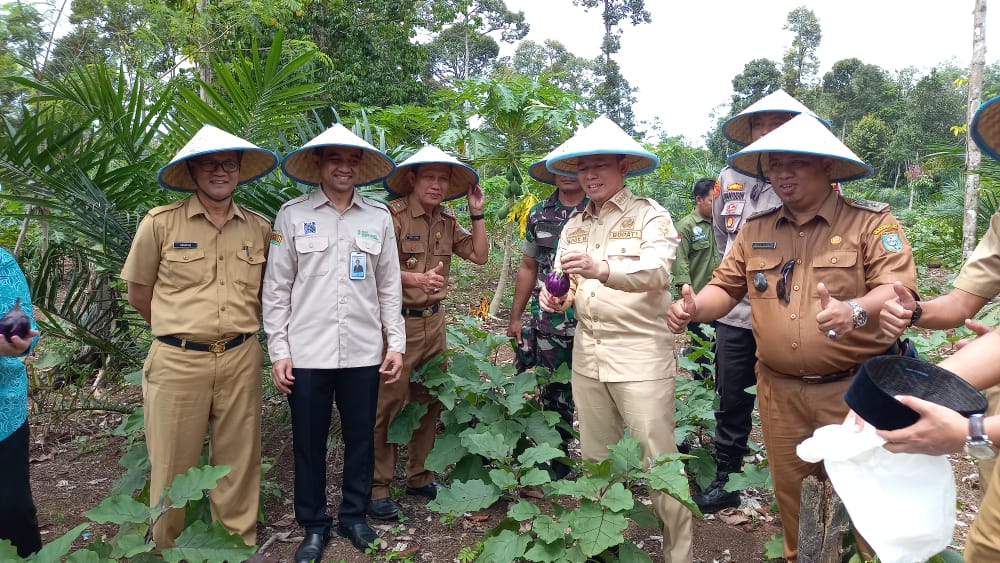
[(425, 337), (986, 465), (983, 542), (186, 393), (646, 408)]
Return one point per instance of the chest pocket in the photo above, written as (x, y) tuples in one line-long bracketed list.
[(624, 248), (441, 246), (312, 256), (249, 268), (185, 267), (763, 273), (840, 273), (701, 244), (368, 246)]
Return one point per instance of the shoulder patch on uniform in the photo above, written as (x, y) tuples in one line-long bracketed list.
[(867, 204), (885, 228), (398, 206), (168, 207), (762, 213), (717, 188), (375, 203), (734, 187)]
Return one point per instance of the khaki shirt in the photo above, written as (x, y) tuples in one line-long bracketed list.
[(621, 332), (734, 202), (981, 274), (425, 240), (852, 246), (206, 280), (318, 310)]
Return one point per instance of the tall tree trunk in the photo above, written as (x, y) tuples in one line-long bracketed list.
[(972, 154), (508, 238), (204, 67)]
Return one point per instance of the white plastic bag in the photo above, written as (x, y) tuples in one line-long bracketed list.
[(902, 504)]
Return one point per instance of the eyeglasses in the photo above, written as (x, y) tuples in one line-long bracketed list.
[(213, 165), (786, 272)]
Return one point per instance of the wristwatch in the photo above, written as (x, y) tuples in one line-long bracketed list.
[(860, 315), (917, 311), (977, 444)]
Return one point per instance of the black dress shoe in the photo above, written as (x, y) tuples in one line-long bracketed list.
[(311, 548), (383, 509), (360, 534), (430, 490)]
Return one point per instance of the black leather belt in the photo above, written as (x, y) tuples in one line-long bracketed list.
[(217, 347), (830, 377), (428, 312)]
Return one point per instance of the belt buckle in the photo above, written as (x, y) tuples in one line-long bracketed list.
[(217, 347), (427, 312)]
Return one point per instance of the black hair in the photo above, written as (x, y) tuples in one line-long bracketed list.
[(702, 187)]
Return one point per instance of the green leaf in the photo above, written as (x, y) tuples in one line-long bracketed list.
[(618, 498), (539, 454), (585, 487), (630, 553), (192, 484), (80, 556), (134, 378), (504, 547), (120, 509), (947, 556), (595, 528), (536, 476), (208, 542), (130, 545), (523, 510), (133, 422), (8, 552), (669, 478), (462, 497), (402, 427), (539, 426), (625, 456), (548, 529), (751, 476), (503, 478), (774, 548), (57, 549), (702, 466), (644, 516), (447, 451), (491, 446), (470, 468), (547, 551)]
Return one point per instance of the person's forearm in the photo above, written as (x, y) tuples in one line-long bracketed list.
[(712, 303), (978, 362), (411, 279), (480, 244), (949, 310)]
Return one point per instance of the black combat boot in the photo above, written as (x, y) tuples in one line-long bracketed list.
[(716, 497)]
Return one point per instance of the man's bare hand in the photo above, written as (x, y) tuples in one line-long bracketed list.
[(392, 367), (433, 280), (281, 375), (681, 312), (896, 313)]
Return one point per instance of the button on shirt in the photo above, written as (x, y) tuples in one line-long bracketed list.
[(205, 280), (428, 239), (314, 312), (621, 324), (850, 249)]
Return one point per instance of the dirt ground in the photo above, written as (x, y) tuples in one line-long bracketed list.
[(74, 464)]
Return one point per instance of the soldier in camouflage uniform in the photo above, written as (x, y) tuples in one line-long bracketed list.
[(548, 339)]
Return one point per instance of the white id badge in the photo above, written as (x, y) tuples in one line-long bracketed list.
[(358, 265)]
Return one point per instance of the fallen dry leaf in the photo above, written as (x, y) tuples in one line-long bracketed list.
[(477, 517), (733, 517), (532, 491)]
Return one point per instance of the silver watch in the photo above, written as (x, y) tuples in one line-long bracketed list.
[(860, 316), (977, 443)]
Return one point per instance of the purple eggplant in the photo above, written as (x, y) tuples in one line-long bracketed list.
[(557, 283), (15, 322)]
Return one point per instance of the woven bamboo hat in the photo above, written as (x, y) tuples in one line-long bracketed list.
[(462, 175), (254, 162), (539, 172), (986, 127), (603, 136), (737, 128), (881, 378), (806, 135), (300, 166)]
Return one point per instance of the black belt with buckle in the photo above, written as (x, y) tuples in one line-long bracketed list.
[(217, 347), (428, 312), (830, 377)]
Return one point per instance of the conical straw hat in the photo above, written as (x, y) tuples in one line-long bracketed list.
[(539, 172), (802, 134), (603, 136), (300, 165), (255, 161), (737, 128), (986, 127), (462, 176)]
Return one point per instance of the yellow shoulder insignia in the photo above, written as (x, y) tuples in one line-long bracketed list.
[(867, 204), (398, 205), (167, 207)]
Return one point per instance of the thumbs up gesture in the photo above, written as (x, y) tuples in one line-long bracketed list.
[(682, 311), (433, 281), (836, 317), (896, 312)]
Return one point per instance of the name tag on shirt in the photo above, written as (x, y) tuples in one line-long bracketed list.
[(185, 244)]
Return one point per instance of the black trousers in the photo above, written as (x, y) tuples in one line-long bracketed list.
[(18, 519), (735, 358), (313, 393)]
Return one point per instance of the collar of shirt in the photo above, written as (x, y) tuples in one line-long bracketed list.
[(619, 200), (317, 198), (826, 210), (416, 210), (194, 207)]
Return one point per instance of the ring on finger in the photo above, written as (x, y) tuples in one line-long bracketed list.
[(831, 334)]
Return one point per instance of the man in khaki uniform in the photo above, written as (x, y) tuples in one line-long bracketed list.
[(428, 234), (331, 288), (814, 269), (618, 252), (194, 273)]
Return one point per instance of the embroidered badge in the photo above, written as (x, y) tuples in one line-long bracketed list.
[(411, 262), (577, 236), (883, 229), (626, 234), (735, 187), (666, 229), (697, 233), (276, 238), (733, 196), (621, 197), (717, 188), (835, 239), (730, 223), (185, 244), (892, 242), (309, 228), (768, 244), (365, 234), (628, 222), (733, 208)]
